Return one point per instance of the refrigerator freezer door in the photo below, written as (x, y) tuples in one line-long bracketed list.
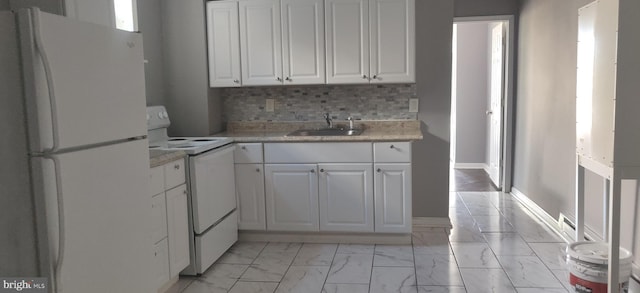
[(96, 75), (107, 217)]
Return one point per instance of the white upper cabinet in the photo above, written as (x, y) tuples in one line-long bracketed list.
[(260, 42), (370, 41), (303, 51), (223, 36), (347, 35), (392, 41)]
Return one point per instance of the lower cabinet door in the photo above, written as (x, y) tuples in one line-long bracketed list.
[(160, 263), (178, 229), (291, 197), (346, 197), (393, 198), (250, 193)]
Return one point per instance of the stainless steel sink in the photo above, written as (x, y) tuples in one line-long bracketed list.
[(326, 132)]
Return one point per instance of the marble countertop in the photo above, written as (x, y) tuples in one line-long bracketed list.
[(160, 157), (277, 131)]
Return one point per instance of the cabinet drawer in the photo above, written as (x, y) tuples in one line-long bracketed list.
[(160, 263), (392, 152), (248, 153), (322, 152), (173, 174), (156, 180), (159, 221)]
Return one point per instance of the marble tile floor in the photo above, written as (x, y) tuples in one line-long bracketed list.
[(495, 246)]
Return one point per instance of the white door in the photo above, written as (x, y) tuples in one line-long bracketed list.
[(107, 244), (178, 229), (213, 187), (392, 40), (496, 96), (393, 198), (346, 197), (223, 39), (97, 73), (347, 37), (261, 43), (250, 193), (292, 197), (303, 51)]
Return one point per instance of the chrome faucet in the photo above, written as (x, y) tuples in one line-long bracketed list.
[(329, 120), (350, 122)]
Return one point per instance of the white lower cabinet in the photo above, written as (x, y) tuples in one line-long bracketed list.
[(170, 226), (160, 263), (177, 229), (251, 197), (291, 197), (346, 197), (393, 198)]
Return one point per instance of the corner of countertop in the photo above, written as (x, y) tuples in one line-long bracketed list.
[(161, 157)]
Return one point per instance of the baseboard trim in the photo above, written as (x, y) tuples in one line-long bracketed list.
[(324, 237), (431, 222), (470, 166), (540, 213)]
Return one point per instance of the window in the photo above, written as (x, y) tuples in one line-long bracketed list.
[(126, 14)]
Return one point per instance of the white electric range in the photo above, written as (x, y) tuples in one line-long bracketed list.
[(213, 224)]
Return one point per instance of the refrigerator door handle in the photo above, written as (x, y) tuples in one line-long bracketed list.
[(61, 223), (49, 79)]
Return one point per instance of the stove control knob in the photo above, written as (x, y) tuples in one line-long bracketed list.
[(165, 114), (160, 115)]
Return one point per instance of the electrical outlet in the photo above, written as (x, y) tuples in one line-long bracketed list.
[(413, 105), (270, 106)]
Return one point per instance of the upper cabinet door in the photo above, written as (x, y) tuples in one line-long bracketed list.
[(223, 36), (347, 36), (261, 42), (392, 41), (303, 41)]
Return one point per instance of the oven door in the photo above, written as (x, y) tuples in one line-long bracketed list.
[(213, 188)]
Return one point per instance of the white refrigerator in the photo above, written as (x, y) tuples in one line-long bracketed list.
[(74, 172)]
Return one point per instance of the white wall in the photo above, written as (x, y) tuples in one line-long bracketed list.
[(472, 77), (485, 7), (4, 4)]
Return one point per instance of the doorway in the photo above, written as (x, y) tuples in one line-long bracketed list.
[(482, 102)]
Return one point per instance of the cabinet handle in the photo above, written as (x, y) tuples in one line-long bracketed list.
[(313, 171), (236, 81), (364, 76), (321, 170), (177, 167), (288, 78), (375, 77), (278, 79), (392, 147), (258, 170), (379, 170), (184, 192), (243, 147)]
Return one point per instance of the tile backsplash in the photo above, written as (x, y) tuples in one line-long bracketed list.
[(308, 103)]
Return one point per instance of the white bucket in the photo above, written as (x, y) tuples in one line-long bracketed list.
[(588, 267)]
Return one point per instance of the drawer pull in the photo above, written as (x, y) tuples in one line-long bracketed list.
[(258, 170), (392, 147), (184, 192), (321, 170), (243, 147), (379, 170), (177, 167), (312, 171)]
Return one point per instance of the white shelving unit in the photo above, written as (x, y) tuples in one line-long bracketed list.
[(608, 101)]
